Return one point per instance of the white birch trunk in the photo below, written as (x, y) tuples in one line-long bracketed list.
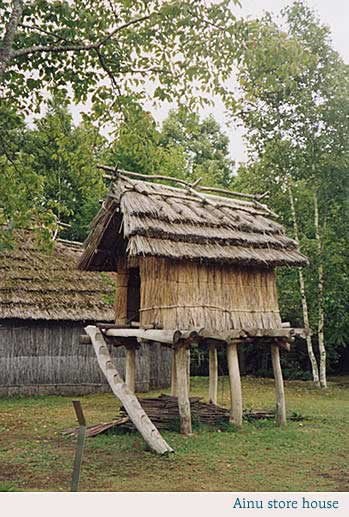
[(321, 339), (313, 362)]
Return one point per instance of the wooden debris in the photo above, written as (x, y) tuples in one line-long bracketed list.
[(164, 413)]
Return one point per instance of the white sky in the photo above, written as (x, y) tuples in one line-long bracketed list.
[(334, 13)]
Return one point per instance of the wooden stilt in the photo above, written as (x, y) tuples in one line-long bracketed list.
[(279, 386), (173, 375), (131, 368), (235, 385), (213, 374), (188, 369), (182, 389)]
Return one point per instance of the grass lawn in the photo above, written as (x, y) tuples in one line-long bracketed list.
[(312, 455)]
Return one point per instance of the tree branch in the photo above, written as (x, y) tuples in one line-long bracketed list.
[(78, 46), (10, 33)]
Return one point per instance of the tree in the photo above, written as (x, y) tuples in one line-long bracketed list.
[(205, 146), (295, 107), (117, 53), (137, 147), (20, 187), (64, 157)]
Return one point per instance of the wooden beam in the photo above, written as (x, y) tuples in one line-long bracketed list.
[(182, 389), (173, 375), (168, 337), (213, 374), (279, 386), (235, 385), (128, 399), (130, 368)]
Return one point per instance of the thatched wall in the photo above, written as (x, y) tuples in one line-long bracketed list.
[(46, 358), (218, 297)]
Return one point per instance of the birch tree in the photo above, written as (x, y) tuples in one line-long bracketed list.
[(294, 101)]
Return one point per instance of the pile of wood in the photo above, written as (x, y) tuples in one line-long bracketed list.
[(163, 412)]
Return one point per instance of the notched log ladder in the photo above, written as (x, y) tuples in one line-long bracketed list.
[(130, 402)]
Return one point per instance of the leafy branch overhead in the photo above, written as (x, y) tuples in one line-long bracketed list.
[(117, 53)]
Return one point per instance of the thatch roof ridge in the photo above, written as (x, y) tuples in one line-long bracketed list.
[(163, 220), (36, 285)]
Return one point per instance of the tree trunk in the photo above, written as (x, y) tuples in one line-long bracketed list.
[(314, 366), (322, 348), (129, 400)]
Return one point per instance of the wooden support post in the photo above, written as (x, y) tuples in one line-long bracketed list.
[(182, 389), (188, 369), (213, 374), (173, 375), (279, 386), (130, 368), (121, 289), (235, 385), (129, 400)]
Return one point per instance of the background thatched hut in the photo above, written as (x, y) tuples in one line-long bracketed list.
[(185, 260), (44, 304)]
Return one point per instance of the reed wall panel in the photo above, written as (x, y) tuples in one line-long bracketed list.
[(218, 297), (46, 357)]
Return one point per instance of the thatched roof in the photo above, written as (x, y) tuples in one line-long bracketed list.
[(152, 219), (39, 285)]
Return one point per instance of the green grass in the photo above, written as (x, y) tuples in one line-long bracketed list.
[(310, 455)]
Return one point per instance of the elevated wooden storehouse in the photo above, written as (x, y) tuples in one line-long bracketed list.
[(196, 268), (45, 302)]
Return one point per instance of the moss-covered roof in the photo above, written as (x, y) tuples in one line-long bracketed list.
[(37, 284)]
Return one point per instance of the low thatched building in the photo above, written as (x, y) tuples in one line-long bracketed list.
[(199, 266), (45, 302)]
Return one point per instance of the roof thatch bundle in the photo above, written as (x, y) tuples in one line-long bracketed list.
[(39, 285), (151, 219)]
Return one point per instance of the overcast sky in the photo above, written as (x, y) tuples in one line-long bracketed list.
[(334, 13)]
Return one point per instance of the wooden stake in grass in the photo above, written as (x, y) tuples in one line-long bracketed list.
[(79, 446), (279, 386), (182, 389), (235, 385), (213, 374)]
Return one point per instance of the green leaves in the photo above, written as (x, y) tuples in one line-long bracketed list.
[(179, 46), (295, 107)]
